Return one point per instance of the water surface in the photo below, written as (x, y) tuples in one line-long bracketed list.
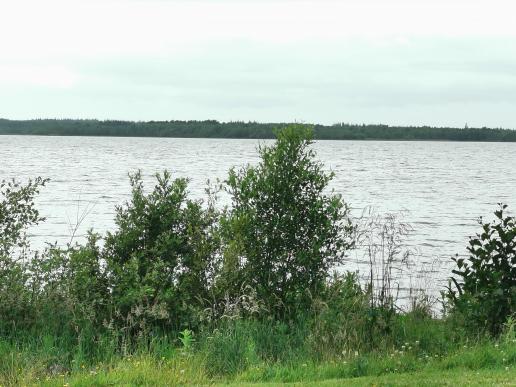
[(443, 186)]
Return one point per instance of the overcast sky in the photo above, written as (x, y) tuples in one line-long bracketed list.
[(361, 61)]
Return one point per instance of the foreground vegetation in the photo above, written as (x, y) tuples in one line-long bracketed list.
[(182, 291), (483, 363), (215, 129)]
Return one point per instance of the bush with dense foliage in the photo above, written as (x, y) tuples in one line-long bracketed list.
[(486, 293), (17, 214), (161, 259), (285, 232)]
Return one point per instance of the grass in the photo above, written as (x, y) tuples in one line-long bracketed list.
[(457, 377), (484, 363)]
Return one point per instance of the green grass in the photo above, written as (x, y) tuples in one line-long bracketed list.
[(485, 363), (456, 377)]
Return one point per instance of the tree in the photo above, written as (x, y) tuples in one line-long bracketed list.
[(284, 232)]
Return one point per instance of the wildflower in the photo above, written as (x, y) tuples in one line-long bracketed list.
[(507, 368), (182, 371), (496, 345), (417, 342), (303, 365), (356, 353)]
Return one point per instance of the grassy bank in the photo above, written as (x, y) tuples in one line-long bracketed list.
[(482, 363)]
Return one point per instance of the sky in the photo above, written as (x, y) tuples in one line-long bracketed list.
[(401, 62)]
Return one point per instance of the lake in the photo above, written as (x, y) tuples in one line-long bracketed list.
[(442, 187)]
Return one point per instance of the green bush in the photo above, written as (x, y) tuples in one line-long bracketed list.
[(160, 260), (17, 214), (486, 293), (72, 290), (284, 232)]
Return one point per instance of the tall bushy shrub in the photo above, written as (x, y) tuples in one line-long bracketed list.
[(285, 231), (160, 259), (17, 214), (486, 290)]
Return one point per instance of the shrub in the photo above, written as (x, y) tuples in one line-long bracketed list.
[(284, 232), (72, 289), (160, 259), (486, 293), (17, 214)]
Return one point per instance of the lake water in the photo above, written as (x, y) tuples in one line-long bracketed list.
[(443, 187)]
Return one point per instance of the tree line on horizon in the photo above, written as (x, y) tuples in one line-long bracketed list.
[(240, 129)]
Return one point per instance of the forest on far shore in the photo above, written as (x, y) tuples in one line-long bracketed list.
[(239, 129)]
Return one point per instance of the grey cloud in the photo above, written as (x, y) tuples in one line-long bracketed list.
[(426, 80)]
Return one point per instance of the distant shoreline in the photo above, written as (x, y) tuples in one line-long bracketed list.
[(247, 130)]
